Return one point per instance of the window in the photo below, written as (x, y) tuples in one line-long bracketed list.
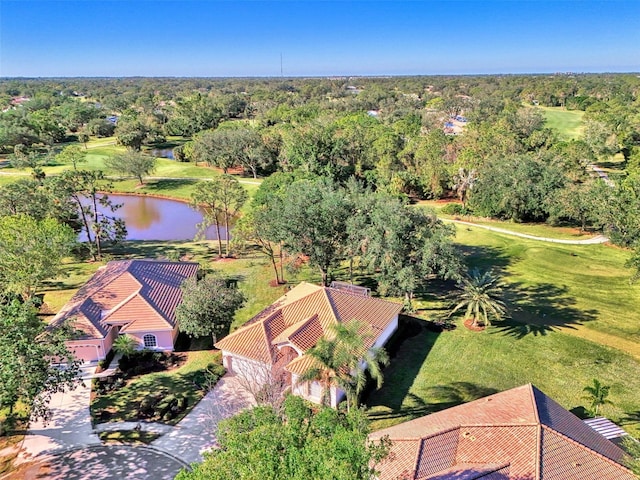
[(150, 341)]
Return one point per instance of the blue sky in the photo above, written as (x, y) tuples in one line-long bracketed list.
[(246, 38)]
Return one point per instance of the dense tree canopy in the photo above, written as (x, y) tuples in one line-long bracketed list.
[(208, 306), (300, 443), (31, 251), (27, 349)]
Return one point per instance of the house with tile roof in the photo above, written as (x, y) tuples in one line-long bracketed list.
[(517, 434), (274, 342), (134, 297)]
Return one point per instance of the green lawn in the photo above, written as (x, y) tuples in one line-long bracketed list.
[(537, 229), (123, 403), (567, 123), (581, 289), (574, 318), (433, 371), (169, 179), (127, 437)]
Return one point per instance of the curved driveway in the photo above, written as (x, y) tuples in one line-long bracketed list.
[(106, 462)]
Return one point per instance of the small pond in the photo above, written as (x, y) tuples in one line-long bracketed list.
[(149, 218), (162, 153)]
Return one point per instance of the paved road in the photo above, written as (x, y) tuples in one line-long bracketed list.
[(589, 241)]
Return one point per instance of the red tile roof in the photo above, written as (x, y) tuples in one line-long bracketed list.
[(517, 434), (140, 295), (301, 317)]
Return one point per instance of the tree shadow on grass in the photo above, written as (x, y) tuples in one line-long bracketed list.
[(168, 184), (156, 249), (408, 349), (631, 418), (486, 258), (440, 398), (540, 309)]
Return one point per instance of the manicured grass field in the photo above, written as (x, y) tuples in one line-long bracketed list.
[(537, 229), (170, 178), (433, 371), (581, 289), (574, 318), (567, 123)]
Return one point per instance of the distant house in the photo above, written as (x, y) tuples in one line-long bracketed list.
[(517, 434), (275, 341), (134, 297)]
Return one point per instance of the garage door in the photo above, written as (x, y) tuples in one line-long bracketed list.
[(87, 353)]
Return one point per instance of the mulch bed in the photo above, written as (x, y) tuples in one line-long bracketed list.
[(474, 328)]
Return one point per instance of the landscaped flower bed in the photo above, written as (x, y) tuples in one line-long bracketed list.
[(165, 396)]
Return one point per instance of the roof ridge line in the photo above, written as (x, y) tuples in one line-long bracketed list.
[(536, 412), (268, 342), (334, 312), (500, 466), (497, 425), (583, 446), (303, 323), (124, 301)]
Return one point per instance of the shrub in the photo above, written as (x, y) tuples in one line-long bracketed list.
[(142, 362), (104, 364), (454, 209), (207, 377)]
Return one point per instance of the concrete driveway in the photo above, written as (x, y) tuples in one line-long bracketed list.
[(196, 433), (67, 447), (70, 424), (104, 462)]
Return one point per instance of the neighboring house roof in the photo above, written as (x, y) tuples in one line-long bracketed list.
[(606, 428), (517, 434), (138, 295), (301, 317)]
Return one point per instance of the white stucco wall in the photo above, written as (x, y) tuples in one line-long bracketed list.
[(252, 370), (386, 334)]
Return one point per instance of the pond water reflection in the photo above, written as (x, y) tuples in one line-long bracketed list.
[(162, 153), (149, 218)]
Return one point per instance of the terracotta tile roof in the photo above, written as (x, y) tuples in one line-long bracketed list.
[(522, 431), (472, 471), (303, 335), (564, 459), (301, 317), (437, 453), (140, 295), (400, 464)]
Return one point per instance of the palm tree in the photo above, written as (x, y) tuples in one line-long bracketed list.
[(342, 360), (125, 345), (597, 394), (480, 293)]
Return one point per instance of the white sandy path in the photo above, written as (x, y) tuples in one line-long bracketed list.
[(588, 241)]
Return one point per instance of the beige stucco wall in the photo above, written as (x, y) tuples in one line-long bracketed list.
[(164, 339), (87, 350)]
